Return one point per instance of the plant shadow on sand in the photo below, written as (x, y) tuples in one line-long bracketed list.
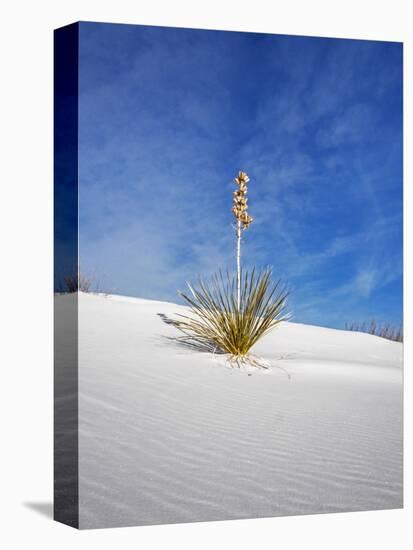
[(188, 341)]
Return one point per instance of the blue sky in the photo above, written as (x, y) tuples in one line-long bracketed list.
[(168, 116)]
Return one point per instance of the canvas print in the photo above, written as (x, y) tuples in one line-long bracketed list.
[(228, 275)]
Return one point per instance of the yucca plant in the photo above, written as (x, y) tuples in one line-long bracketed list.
[(231, 326), (230, 313)]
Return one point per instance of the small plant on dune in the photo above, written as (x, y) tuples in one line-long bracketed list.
[(386, 330), (230, 313), (75, 283)]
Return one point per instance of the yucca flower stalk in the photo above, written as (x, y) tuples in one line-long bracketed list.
[(240, 211), (231, 313)]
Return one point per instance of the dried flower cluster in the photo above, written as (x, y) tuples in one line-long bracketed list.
[(240, 208)]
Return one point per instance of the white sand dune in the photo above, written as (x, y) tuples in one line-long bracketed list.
[(169, 434)]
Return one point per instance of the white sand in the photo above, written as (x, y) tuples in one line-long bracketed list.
[(171, 435)]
